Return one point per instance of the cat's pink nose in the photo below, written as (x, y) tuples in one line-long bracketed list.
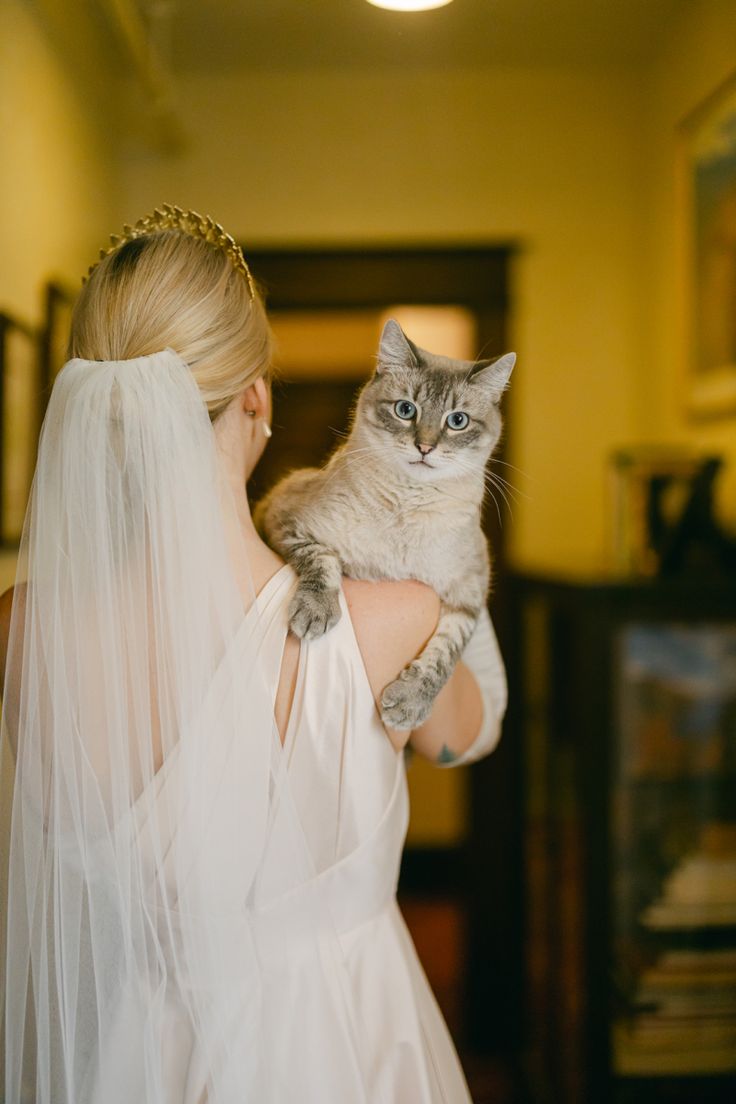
[(425, 449)]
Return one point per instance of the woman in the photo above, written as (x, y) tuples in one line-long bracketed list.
[(208, 816)]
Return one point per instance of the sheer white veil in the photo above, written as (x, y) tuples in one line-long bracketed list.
[(151, 815)]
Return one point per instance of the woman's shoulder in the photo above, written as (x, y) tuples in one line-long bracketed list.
[(392, 621)]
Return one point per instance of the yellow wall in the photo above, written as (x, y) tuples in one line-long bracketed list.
[(59, 113), (59, 182), (699, 52), (549, 158), (573, 164), (57, 151)]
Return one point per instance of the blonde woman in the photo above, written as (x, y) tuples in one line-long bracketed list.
[(208, 816)]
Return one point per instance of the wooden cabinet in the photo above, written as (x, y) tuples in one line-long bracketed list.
[(623, 704)]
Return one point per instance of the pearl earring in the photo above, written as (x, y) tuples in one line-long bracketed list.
[(267, 431)]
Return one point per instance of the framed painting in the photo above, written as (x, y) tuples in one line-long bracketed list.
[(58, 306), (709, 220), (19, 406)]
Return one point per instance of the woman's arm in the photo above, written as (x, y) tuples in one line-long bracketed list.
[(482, 659), (392, 622)]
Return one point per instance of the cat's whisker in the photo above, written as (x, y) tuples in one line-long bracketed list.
[(498, 478), (482, 350), (499, 481), (495, 477), (443, 490), (354, 456), (498, 508), (352, 453), (358, 454), (508, 496), (370, 448), (467, 468), (503, 494), (506, 464), (490, 480), (515, 493), (489, 485)]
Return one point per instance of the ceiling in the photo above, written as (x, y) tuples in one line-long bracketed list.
[(208, 35)]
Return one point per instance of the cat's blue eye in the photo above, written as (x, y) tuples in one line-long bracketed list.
[(458, 419), (405, 409)]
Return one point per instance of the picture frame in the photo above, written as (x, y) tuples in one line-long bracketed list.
[(19, 405), (58, 306), (707, 145)]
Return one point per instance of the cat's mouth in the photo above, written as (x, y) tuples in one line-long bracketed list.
[(424, 463)]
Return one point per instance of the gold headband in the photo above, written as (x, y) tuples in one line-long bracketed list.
[(188, 222)]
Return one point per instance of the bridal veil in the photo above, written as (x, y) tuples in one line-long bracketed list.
[(152, 825)]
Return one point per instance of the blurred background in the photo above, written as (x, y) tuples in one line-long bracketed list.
[(552, 176)]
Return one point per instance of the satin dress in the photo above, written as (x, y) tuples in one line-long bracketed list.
[(326, 1000), (351, 790)]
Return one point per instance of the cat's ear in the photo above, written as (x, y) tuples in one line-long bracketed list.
[(395, 350), (494, 375)]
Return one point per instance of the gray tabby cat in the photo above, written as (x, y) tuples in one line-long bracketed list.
[(400, 499)]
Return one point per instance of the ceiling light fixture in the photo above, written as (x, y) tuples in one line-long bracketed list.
[(409, 5)]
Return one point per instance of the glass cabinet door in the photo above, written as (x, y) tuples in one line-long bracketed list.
[(673, 850)]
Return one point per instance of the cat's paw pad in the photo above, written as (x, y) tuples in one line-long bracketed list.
[(407, 701), (313, 612)]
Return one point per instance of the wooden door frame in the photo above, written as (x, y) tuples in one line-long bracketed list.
[(477, 277)]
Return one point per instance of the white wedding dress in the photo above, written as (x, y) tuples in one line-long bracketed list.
[(350, 785), (196, 914), (367, 1028)]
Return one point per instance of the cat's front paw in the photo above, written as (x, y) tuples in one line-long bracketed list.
[(313, 612), (407, 701)]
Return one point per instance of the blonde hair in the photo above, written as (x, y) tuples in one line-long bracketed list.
[(168, 289)]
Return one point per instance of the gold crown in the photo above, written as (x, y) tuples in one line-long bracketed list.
[(188, 222)]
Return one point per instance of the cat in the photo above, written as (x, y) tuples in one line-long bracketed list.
[(400, 498)]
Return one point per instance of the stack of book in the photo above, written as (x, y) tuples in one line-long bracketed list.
[(700, 893), (683, 1014)]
